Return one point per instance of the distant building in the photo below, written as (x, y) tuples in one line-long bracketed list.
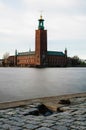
[(40, 57)]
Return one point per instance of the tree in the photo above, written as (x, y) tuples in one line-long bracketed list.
[(5, 59), (75, 61), (6, 55)]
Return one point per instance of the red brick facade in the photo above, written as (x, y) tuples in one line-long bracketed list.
[(25, 61), (40, 47)]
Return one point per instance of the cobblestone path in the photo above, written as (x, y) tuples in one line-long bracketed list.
[(72, 118)]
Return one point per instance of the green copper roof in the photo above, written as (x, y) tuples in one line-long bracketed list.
[(57, 53)]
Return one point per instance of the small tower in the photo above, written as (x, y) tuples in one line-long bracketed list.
[(66, 60), (15, 60), (66, 52), (40, 43), (29, 49)]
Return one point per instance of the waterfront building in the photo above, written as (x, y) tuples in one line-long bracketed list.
[(41, 57)]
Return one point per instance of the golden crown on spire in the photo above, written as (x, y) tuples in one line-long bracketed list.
[(40, 16)]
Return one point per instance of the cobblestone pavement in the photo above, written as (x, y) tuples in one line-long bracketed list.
[(72, 118)]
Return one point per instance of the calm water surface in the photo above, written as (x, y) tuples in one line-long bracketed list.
[(25, 83)]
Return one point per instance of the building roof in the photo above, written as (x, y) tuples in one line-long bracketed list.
[(26, 53), (56, 53)]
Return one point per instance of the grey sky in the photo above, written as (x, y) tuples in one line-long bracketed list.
[(65, 21)]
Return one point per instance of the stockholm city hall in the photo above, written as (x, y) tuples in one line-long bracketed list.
[(41, 57)]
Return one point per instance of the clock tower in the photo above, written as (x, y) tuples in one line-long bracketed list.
[(41, 43)]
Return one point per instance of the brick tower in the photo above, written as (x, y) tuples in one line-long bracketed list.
[(41, 44)]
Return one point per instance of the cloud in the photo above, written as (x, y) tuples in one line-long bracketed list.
[(64, 20), (59, 6)]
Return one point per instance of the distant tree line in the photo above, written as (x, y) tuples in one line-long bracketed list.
[(75, 61)]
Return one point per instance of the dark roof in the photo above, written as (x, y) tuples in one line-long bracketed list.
[(26, 53), (56, 53)]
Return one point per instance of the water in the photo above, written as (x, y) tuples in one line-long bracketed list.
[(26, 83)]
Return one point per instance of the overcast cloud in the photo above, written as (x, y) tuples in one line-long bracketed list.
[(65, 21)]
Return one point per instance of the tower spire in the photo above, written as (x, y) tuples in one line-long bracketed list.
[(65, 51), (40, 14), (41, 23)]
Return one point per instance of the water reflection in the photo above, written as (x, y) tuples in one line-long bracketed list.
[(24, 83)]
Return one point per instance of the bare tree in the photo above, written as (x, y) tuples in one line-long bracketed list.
[(6, 55)]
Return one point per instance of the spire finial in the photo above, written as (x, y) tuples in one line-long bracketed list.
[(41, 15)]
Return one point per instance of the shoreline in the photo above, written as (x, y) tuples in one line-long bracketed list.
[(46, 100)]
